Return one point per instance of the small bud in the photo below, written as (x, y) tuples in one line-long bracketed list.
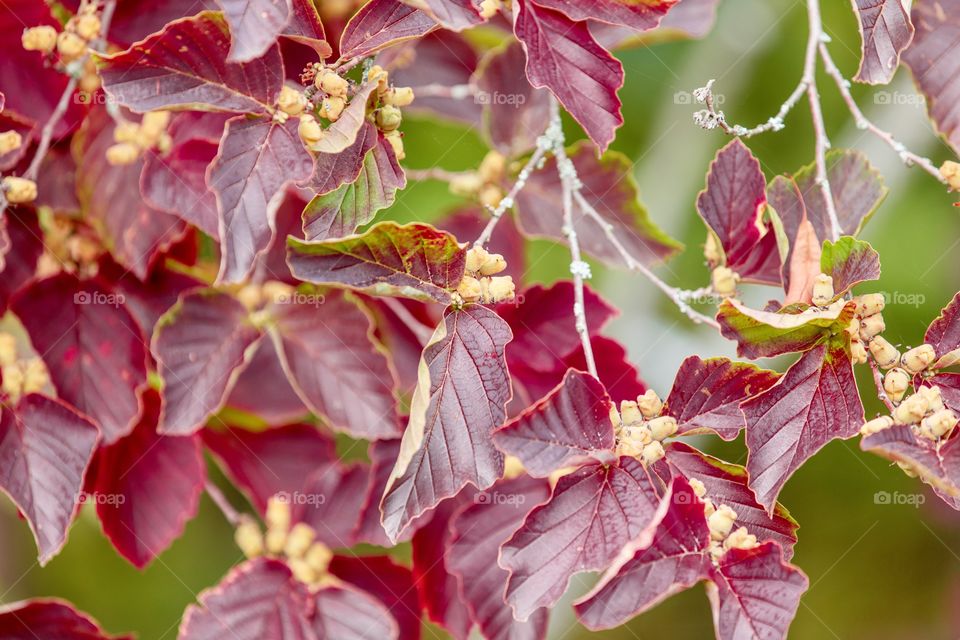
[(650, 404), (895, 383), (630, 413), (876, 425), (500, 288), (153, 124), (740, 539), (476, 257), (10, 141), (299, 540), (822, 290), (933, 398), (489, 8), (122, 154), (911, 410), (250, 296), (398, 96), (663, 427), (494, 264), (724, 281), (126, 131), (70, 46), (302, 570), (632, 439), (379, 75), (318, 556), (950, 171), (699, 489), (871, 326), (492, 167), (278, 514), (332, 84), (43, 39), (512, 467), (87, 26), (291, 101), (249, 538), (712, 250), (721, 522), (310, 130), (884, 353), (853, 328), (466, 184), (35, 376), (332, 107), (651, 453), (19, 190), (491, 195), (869, 304), (919, 358), (13, 378), (389, 118), (858, 355), (470, 289), (8, 349), (938, 424)]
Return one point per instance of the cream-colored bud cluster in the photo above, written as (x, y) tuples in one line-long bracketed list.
[(865, 329), (131, 139), (641, 429), (20, 375), (484, 184), (18, 190), (308, 559), (724, 281), (71, 43), (720, 521), (10, 141), (950, 171), (69, 246), (924, 411), (480, 282), (256, 296)]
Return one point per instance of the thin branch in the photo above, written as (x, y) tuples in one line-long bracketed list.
[(417, 328), (712, 117), (534, 163), (232, 515), (878, 382)]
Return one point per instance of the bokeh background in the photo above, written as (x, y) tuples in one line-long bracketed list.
[(877, 571)]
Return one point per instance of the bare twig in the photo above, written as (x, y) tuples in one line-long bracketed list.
[(232, 515), (711, 117), (507, 201), (417, 328)]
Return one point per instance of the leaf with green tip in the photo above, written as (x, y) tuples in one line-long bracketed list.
[(849, 262)]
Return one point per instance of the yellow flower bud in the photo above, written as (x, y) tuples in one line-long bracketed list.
[(651, 453), (302, 570), (13, 379), (43, 38), (911, 410), (396, 143), (399, 96), (491, 195), (933, 398), (650, 404), (318, 556), (938, 424), (822, 290), (275, 540), (492, 167), (122, 154), (876, 425), (476, 257), (663, 427), (8, 349), (332, 107), (631, 439), (35, 376), (869, 304), (466, 184), (299, 540), (724, 281), (470, 289), (858, 355), (512, 467), (699, 489), (740, 539), (919, 358), (500, 288), (126, 131), (10, 141), (895, 383), (721, 522), (19, 190), (70, 46), (291, 101), (630, 413), (950, 171), (87, 26), (884, 353), (712, 250), (332, 84), (489, 8), (310, 130), (153, 124), (871, 326), (389, 118), (249, 538), (494, 264), (278, 514)]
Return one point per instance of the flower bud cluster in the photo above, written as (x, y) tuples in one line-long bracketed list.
[(10, 141), (720, 521), (18, 190), (950, 171), (71, 43), (483, 184), (131, 139), (20, 375), (924, 411), (480, 282), (69, 245), (865, 329), (642, 430)]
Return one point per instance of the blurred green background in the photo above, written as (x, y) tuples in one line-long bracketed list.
[(876, 571)]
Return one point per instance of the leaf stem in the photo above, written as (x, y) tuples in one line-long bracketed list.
[(232, 515), (417, 328), (507, 201)]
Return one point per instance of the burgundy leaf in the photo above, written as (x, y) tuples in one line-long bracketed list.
[(460, 399), (668, 558), (706, 395), (335, 364), (346, 613), (885, 30), (383, 455), (147, 300), (47, 618), (389, 582), (131, 23), (200, 345), (563, 57), (944, 332), (147, 486), (82, 330), (455, 15), (609, 187), (254, 26), (756, 594), (591, 515), (45, 448), (849, 262), (184, 65), (380, 23), (857, 189), (816, 401), (477, 533), (19, 266), (618, 375), (305, 27), (272, 264), (569, 427), (413, 260), (263, 389), (258, 599), (331, 170), (10, 121), (329, 499), (176, 183), (636, 15), (937, 464), (257, 159)]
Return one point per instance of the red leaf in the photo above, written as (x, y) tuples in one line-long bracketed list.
[(477, 533), (857, 189), (346, 613), (147, 487), (258, 599), (569, 427), (636, 15), (19, 266), (334, 169), (937, 464), (383, 455), (455, 15), (45, 449), (254, 26), (617, 374), (257, 159), (591, 515), (305, 27), (944, 332), (389, 582), (184, 65), (200, 345), (801, 264), (885, 30), (330, 500), (131, 23), (460, 399), (380, 23), (564, 57), (816, 401), (336, 366), (82, 330), (47, 618), (849, 262), (342, 133), (10, 121), (263, 389), (706, 395), (668, 558), (757, 594), (147, 300)]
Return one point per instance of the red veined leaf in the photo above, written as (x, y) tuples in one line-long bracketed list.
[(335, 364), (477, 533), (330, 500), (514, 112), (147, 486), (201, 345), (934, 70), (342, 133), (468, 222), (383, 456), (272, 264), (569, 427), (670, 557), (331, 170), (255, 26), (81, 330), (563, 57), (412, 260), (640, 16), (263, 389), (353, 204), (763, 334), (56, 182), (147, 300), (389, 582), (706, 395), (800, 263), (305, 28), (816, 401), (110, 195), (47, 618), (885, 31), (944, 332), (754, 593), (609, 187), (258, 599), (849, 262), (733, 206), (591, 515), (19, 266), (727, 484), (257, 160), (130, 23), (403, 339), (937, 464), (459, 400), (274, 461), (45, 449), (857, 189), (157, 73), (343, 612), (380, 23), (455, 15)]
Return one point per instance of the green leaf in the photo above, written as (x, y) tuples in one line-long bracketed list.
[(849, 262), (799, 327)]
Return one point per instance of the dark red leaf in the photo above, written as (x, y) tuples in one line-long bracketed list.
[(636, 15), (459, 401), (82, 330), (857, 189), (47, 618), (937, 464), (147, 300), (131, 23), (331, 170), (329, 499), (380, 23), (254, 26), (305, 27), (455, 15), (618, 375), (272, 264), (45, 449), (147, 486), (885, 30), (26, 128), (19, 266), (383, 456), (346, 613), (944, 332), (263, 389), (389, 582)]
